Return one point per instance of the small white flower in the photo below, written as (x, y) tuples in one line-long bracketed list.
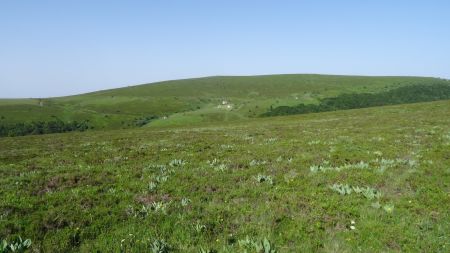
[(352, 227), (352, 222)]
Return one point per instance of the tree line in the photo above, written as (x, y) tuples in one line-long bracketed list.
[(401, 95), (41, 127)]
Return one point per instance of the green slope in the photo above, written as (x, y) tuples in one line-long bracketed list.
[(275, 178), (197, 100)]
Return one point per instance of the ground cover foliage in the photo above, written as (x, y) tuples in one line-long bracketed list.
[(366, 180)]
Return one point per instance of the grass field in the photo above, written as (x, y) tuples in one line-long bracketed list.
[(365, 180), (200, 100)]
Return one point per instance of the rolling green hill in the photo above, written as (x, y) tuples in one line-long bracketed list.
[(197, 101), (206, 173), (365, 180)]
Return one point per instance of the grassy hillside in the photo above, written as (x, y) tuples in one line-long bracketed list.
[(184, 102), (365, 180)]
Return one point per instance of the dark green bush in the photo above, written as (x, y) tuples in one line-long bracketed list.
[(139, 122)]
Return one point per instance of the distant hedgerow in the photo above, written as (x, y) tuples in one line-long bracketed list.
[(42, 127), (402, 95)]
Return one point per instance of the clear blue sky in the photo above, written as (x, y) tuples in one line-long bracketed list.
[(53, 48)]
